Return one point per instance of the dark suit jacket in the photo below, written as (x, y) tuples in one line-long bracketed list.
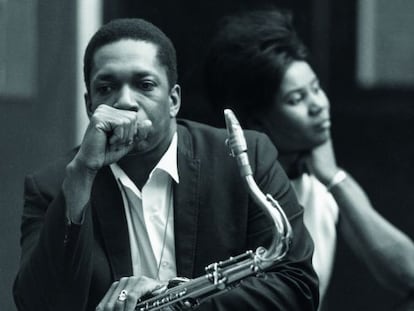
[(70, 267)]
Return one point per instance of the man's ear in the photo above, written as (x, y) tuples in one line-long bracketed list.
[(175, 100), (88, 104)]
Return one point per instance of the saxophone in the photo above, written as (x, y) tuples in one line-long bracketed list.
[(184, 294)]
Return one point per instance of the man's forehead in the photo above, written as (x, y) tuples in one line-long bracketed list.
[(127, 46), (124, 53)]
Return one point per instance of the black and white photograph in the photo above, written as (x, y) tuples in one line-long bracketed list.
[(232, 155)]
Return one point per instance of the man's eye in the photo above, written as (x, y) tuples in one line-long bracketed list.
[(104, 89), (147, 85)]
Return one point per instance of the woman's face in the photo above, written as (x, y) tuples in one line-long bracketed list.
[(299, 120)]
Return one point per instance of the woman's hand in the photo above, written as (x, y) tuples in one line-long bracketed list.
[(322, 163)]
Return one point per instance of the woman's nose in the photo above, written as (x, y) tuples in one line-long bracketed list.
[(126, 100), (318, 102)]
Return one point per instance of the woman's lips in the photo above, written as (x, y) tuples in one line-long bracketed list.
[(323, 125)]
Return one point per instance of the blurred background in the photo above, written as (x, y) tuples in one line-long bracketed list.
[(363, 52)]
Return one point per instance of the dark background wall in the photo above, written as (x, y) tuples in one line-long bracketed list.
[(190, 25), (373, 129), (37, 128)]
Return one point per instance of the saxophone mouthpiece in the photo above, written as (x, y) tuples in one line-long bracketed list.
[(236, 140)]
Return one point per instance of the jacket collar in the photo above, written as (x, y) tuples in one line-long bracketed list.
[(106, 200), (186, 204)]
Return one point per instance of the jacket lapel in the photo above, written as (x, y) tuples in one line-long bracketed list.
[(186, 205), (107, 201)]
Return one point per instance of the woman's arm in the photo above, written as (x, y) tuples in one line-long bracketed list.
[(387, 252)]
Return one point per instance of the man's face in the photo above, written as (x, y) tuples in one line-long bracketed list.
[(299, 119), (128, 75)]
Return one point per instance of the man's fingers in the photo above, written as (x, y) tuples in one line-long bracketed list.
[(107, 297), (143, 129), (121, 126), (117, 136), (132, 288)]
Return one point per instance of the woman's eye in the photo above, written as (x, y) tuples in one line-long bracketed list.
[(295, 99), (316, 87)]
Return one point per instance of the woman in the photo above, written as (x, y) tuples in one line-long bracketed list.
[(258, 67)]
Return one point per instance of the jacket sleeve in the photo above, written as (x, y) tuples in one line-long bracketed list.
[(290, 284), (56, 256)]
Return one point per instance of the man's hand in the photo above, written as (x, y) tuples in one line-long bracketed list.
[(322, 163), (110, 135), (133, 288)]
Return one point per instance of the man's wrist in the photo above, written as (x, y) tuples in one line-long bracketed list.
[(78, 169), (76, 189)]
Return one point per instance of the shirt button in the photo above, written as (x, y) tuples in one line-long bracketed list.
[(165, 264)]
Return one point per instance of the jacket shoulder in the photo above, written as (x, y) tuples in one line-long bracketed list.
[(197, 135), (49, 177)]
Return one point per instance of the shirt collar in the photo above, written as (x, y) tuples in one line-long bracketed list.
[(168, 162)]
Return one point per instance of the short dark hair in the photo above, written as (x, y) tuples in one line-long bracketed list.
[(248, 57), (136, 29)]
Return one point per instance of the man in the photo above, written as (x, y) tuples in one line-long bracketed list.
[(146, 198)]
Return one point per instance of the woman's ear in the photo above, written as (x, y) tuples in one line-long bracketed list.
[(175, 100), (88, 104)]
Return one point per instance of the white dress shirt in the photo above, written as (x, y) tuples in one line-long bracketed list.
[(150, 217)]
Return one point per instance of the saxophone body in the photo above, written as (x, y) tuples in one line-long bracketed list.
[(183, 294)]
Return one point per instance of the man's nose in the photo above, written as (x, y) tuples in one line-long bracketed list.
[(126, 100)]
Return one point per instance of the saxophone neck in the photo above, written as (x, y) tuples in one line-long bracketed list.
[(282, 230)]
